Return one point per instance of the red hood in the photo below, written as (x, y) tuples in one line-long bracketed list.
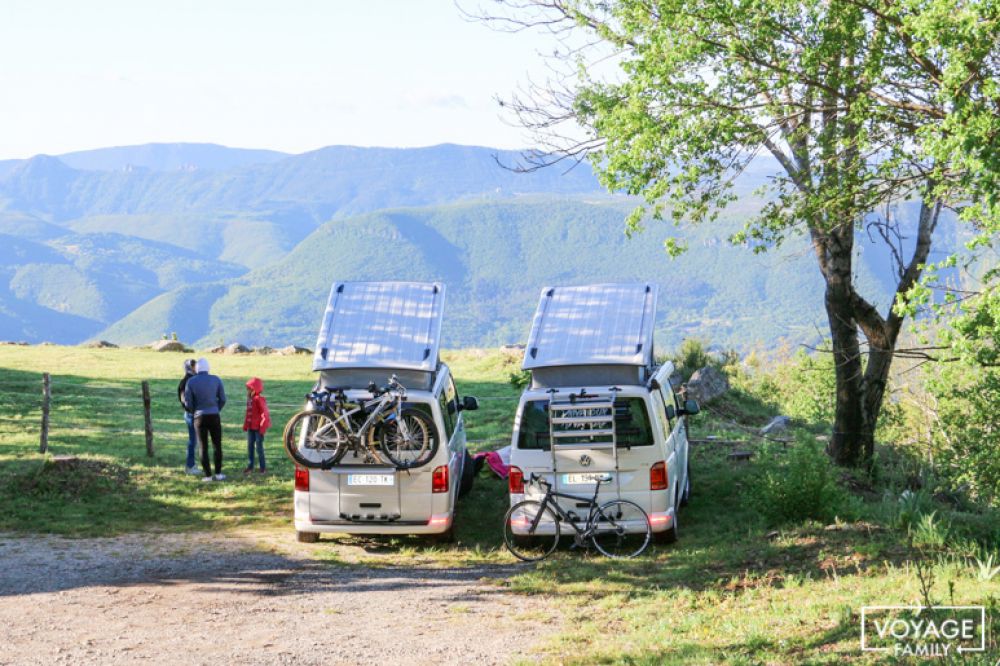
[(255, 385)]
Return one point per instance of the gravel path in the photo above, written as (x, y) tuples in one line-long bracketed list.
[(249, 599)]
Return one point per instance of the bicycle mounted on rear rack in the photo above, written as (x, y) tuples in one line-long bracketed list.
[(380, 430)]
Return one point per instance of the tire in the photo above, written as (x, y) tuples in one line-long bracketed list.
[(307, 537), (314, 440), (448, 536), (671, 535), (527, 547), (686, 495), (414, 446), (468, 476), (623, 532)]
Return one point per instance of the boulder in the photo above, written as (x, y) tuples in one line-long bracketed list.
[(776, 425), (101, 344), (292, 350), (168, 346), (707, 384), (237, 348), (216, 350), (265, 350)]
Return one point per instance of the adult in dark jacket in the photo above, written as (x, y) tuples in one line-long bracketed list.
[(189, 466), (205, 396)]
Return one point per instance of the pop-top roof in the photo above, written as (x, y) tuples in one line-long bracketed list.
[(381, 325), (596, 324)]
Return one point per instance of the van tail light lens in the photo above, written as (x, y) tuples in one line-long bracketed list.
[(515, 481), (301, 478), (439, 479), (658, 476)]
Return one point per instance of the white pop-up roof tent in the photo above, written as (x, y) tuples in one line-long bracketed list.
[(371, 330), (593, 334)]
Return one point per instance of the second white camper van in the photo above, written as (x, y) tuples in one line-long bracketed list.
[(597, 406)]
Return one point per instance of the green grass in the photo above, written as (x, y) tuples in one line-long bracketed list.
[(735, 589)]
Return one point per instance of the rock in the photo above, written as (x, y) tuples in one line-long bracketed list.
[(707, 384), (216, 350), (512, 348), (237, 348), (12, 343), (101, 344), (265, 350), (292, 350), (776, 425), (167, 346)]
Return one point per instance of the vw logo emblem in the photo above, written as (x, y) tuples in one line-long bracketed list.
[(585, 460)]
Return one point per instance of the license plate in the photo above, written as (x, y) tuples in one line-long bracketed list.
[(589, 478), (370, 479)]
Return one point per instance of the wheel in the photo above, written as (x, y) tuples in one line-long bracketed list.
[(671, 535), (448, 536), (313, 439), (537, 531), (307, 537), (686, 495), (468, 475), (622, 530), (406, 442)]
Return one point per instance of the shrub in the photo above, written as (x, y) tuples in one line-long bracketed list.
[(694, 355), (798, 484)]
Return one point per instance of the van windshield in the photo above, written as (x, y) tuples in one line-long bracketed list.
[(632, 427)]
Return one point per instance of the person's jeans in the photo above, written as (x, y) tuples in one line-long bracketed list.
[(255, 440), (192, 439), (209, 425)]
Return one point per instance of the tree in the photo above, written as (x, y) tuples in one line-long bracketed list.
[(863, 103)]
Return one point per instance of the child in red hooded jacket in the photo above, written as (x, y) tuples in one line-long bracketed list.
[(256, 423)]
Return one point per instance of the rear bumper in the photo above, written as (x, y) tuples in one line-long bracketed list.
[(436, 525), (659, 522)]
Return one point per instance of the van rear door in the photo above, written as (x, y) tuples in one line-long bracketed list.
[(356, 493)]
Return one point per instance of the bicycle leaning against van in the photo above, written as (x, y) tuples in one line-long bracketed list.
[(618, 528)]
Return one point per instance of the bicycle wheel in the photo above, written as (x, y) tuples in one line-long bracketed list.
[(621, 529), (407, 441), (530, 532), (313, 439)]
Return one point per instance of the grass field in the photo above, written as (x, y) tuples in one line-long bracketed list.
[(735, 589)]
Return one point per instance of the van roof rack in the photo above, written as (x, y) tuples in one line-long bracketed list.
[(592, 334), (393, 325)]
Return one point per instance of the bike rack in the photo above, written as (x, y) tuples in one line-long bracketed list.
[(583, 421)]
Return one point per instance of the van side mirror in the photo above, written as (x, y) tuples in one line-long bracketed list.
[(469, 404), (690, 408), (671, 412)]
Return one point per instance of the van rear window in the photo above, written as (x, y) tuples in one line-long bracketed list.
[(632, 427)]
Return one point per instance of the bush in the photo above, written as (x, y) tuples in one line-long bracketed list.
[(694, 355), (798, 484)]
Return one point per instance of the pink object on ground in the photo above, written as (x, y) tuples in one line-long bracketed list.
[(498, 461)]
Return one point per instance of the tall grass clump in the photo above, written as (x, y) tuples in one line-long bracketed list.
[(798, 484)]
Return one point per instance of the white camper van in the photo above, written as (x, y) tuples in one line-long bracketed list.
[(370, 332), (598, 406)]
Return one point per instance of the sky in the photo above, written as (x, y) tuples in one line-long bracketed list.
[(289, 75)]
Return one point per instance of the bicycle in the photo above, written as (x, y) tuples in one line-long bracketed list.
[(379, 431), (619, 529)]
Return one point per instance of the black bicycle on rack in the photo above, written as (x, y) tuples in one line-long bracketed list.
[(381, 430), (618, 528)]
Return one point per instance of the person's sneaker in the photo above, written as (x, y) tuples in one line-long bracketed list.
[(206, 479), (248, 470), (262, 471), (193, 471), (220, 477)]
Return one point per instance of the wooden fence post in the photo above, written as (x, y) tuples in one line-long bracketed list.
[(148, 418), (43, 443)]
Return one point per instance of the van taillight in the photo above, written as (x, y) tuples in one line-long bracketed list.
[(658, 476), (439, 479), (515, 481), (301, 478)]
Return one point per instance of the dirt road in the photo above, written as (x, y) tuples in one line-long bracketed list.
[(249, 599)]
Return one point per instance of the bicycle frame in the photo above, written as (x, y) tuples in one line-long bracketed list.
[(565, 516)]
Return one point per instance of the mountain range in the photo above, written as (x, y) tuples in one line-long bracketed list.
[(219, 244)]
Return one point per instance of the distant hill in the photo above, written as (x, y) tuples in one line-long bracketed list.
[(496, 256), (221, 244)]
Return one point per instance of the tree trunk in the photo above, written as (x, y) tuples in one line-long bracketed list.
[(846, 441)]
